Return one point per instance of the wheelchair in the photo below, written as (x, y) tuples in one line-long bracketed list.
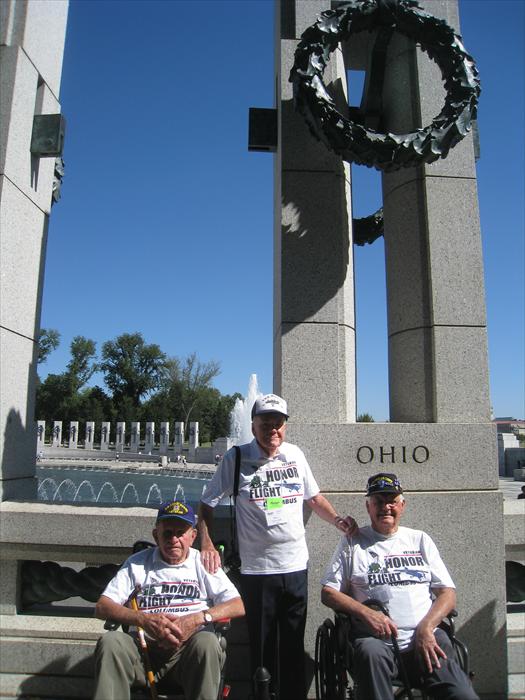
[(175, 693), (334, 658)]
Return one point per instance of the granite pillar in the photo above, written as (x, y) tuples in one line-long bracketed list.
[(164, 440), (90, 435), (194, 441), (178, 440), (439, 439), (40, 436), (105, 434), (149, 442), (314, 319), (57, 434), (73, 435), (134, 441), (120, 436), (30, 71)]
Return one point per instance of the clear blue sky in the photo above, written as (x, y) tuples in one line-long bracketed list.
[(165, 222)]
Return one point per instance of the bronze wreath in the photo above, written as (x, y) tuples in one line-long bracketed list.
[(356, 143)]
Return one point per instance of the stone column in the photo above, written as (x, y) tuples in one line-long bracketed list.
[(31, 48), (314, 324), (73, 435), (149, 443), (57, 434), (178, 440), (120, 437), (90, 435), (40, 436), (105, 434), (438, 367), (134, 443), (194, 441), (164, 438)]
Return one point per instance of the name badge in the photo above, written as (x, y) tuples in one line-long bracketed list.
[(274, 512)]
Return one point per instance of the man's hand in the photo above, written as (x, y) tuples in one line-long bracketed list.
[(347, 525), (427, 649), (163, 628), (211, 559), (380, 625)]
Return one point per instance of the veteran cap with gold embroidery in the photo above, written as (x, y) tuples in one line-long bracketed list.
[(383, 483), (176, 509)]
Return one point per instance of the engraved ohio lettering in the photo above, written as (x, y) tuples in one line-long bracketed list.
[(393, 454)]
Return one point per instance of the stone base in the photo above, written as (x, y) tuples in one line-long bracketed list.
[(425, 456)]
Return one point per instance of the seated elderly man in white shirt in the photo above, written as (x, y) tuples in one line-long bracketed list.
[(401, 568)]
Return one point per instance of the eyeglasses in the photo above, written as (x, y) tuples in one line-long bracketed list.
[(273, 422)]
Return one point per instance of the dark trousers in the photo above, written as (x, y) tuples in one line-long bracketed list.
[(276, 616), (375, 666)]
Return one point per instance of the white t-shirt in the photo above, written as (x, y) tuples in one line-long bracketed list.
[(178, 589), (269, 506), (399, 570)]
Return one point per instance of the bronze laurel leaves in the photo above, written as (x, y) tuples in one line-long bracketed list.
[(356, 143)]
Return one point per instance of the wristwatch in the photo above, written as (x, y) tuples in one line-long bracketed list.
[(207, 617)]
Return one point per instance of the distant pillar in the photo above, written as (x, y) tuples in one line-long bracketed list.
[(120, 437), (194, 440), (134, 441), (150, 438), (178, 440), (90, 435), (164, 438), (105, 435), (57, 434), (40, 435), (73, 435)]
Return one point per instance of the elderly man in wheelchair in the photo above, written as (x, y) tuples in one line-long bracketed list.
[(391, 590), (169, 602)]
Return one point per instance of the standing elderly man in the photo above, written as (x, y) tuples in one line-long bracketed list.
[(177, 601), (401, 568), (274, 481)]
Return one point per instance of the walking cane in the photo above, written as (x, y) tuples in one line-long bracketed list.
[(145, 653), (373, 603)]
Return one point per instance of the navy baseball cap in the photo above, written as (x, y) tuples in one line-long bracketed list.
[(383, 483), (176, 509)]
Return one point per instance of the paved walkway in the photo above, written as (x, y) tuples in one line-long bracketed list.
[(510, 488)]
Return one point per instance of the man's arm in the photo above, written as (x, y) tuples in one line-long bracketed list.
[(380, 625), (189, 624), (325, 510), (210, 557), (425, 644)]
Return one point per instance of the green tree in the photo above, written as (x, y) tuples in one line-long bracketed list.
[(48, 340), (188, 380), (132, 369), (365, 418), (82, 365), (58, 397)]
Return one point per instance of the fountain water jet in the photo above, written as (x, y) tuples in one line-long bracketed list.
[(240, 417)]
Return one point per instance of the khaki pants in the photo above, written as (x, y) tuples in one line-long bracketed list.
[(196, 667)]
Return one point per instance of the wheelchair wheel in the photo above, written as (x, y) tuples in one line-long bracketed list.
[(331, 677)]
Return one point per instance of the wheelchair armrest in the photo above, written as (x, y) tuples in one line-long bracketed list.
[(223, 624), (111, 625)]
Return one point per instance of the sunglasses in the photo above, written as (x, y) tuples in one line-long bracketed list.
[(275, 422)]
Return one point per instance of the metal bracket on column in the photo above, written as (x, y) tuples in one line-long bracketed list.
[(262, 132), (47, 138)]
